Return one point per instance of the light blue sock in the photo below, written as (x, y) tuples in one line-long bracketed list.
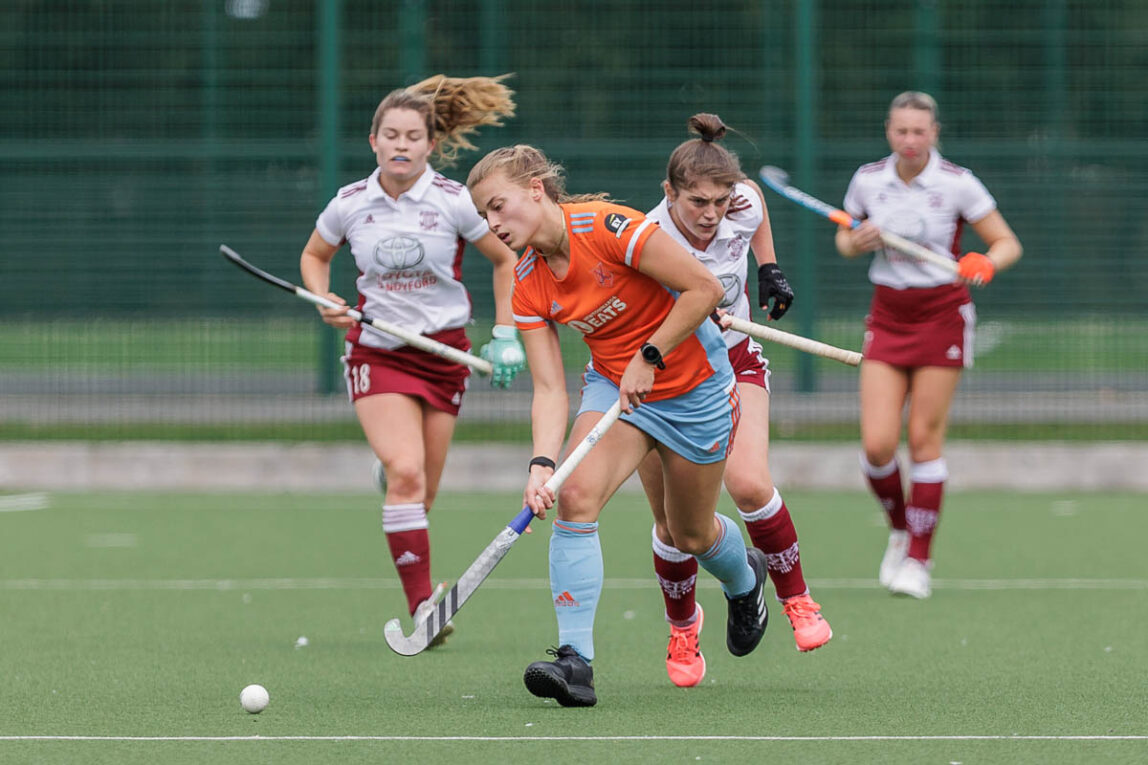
[(576, 583), (726, 560)]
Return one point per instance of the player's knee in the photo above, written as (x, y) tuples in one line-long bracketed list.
[(577, 503), (406, 479), (924, 439), (692, 541), (879, 452), (749, 492)]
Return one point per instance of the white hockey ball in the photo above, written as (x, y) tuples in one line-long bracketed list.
[(254, 698)]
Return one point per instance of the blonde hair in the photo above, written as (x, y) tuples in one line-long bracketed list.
[(701, 158), (915, 99), (520, 164), (453, 109)]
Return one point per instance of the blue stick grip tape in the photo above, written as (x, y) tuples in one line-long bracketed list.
[(522, 520)]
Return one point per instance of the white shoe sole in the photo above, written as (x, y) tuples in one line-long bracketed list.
[(896, 551), (912, 579)]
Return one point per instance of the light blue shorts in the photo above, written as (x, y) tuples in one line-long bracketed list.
[(698, 425)]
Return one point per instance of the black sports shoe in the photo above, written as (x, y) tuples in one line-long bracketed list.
[(569, 678), (748, 614)]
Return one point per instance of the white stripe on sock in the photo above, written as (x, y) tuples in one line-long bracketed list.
[(407, 517), (933, 471), (666, 552), (878, 471), (770, 509)]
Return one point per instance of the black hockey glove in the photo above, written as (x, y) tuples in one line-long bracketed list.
[(772, 285)]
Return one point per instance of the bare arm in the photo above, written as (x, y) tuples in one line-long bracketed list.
[(762, 240), (699, 291), (503, 259), (548, 411), (772, 286), (315, 268), (1004, 249)]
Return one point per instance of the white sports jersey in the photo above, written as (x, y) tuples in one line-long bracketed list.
[(727, 254), (930, 210), (408, 252)]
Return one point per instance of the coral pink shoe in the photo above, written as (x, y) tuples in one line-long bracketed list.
[(684, 661), (810, 629)]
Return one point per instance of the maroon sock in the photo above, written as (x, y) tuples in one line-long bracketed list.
[(411, 553), (677, 574), (921, 516), (777, 538), (890, 492), (407, 536)]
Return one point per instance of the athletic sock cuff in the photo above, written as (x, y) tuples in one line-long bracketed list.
[(728, 527), (765, 512), (666, 552), (407, 517), (573, 529), (933, 471), (878, 471)]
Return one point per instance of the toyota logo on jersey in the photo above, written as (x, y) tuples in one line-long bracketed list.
[(399, 253), (731, 285)]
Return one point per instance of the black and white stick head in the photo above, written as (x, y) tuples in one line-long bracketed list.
[(407, 645)]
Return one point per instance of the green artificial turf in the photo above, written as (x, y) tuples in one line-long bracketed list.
[(142, 615)]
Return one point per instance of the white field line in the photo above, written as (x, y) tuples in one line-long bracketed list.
[(575, 738), (321, 583), (14, 503)]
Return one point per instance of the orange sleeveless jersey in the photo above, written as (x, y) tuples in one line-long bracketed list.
[(604, 297)]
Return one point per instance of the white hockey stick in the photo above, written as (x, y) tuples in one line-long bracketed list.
[(816, 347), (778, 180), (425, 632), (413, 339)]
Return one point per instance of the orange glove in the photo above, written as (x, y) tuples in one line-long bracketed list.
[(976, 268)]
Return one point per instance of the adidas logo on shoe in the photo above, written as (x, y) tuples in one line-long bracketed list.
[(748, 615), (408, 558)]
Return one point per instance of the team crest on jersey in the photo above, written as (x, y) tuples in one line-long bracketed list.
[(602, 276), (428, 220), (736, 247), (616, 223)]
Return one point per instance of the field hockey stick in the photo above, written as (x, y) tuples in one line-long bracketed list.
[(422, 342), (778, 180), (816, 347), (425, 632)]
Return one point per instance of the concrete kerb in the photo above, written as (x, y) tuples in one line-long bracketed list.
[(301, 467)]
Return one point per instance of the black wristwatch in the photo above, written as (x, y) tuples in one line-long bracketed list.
[(651, 355)]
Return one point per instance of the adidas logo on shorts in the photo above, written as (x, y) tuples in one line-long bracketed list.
[(954, 352)]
